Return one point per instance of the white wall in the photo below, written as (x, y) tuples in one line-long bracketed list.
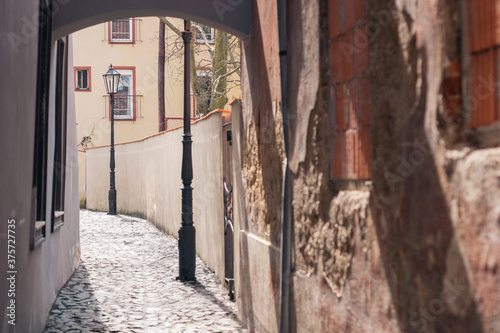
[(148, 182), (43, 271), (82, 193)]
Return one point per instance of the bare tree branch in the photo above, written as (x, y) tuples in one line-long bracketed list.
[(219, 60), (205, 39)]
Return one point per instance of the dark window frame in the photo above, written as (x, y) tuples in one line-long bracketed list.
[(39, 188), (61, 107)]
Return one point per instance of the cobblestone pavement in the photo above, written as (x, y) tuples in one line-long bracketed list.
[(126, 283)]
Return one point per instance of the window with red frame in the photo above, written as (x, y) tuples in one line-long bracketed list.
[(82, 78), (122, 31), (124, 108)]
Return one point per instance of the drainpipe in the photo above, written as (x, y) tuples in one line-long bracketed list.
[(286, 225)]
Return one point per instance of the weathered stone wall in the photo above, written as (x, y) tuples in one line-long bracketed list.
[(258, 156), (262, 153), (339, 281), (420, 190), (475, 211), (408, 240)]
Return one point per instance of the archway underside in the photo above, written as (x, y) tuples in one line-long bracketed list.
[(232, 16)]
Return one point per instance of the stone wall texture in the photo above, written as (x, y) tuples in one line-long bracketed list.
[(396, 211), (258, 155)]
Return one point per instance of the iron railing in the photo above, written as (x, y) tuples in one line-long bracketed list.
[(127, 107)]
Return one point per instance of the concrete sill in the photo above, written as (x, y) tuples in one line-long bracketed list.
[(39, 234), (58, 221), (39, 225)]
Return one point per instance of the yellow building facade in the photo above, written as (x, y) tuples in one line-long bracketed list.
[(131, 46)]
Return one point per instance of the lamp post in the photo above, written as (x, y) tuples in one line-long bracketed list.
[(187, 232), (111, 80)]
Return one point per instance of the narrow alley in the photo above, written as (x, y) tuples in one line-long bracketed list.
[(335, 162), (126, 283)]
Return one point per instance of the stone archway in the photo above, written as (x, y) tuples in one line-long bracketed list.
[(232, 16)]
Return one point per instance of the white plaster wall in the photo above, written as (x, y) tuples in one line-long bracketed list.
[(148, 183), (43, 271), (82, 194)]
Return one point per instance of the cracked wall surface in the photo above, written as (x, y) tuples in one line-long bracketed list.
[(414, 248), (423, 188)]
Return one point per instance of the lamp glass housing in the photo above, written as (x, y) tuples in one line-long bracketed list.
[(111, 80)]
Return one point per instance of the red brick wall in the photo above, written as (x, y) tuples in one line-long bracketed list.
[(349, 52), (484, 40)]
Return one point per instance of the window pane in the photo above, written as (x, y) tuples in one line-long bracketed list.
[(205, 92), (124, 84), (207, 31), (59, 176), (121, 30), (85, 79), (82, 82), (124, 98)]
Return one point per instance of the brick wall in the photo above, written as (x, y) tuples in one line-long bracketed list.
[(484, 40), (350, 86)]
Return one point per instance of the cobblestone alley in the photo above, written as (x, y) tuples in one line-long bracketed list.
[(126, 283)]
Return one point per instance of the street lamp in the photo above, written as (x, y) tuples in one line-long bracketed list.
[(187, 231), (111, 80)]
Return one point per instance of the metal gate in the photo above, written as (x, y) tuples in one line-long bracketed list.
[(228, 211)]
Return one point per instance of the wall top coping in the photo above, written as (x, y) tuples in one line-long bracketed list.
[(208, 115)]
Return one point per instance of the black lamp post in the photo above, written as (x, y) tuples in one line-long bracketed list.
[(187, 232), (111, 80)]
